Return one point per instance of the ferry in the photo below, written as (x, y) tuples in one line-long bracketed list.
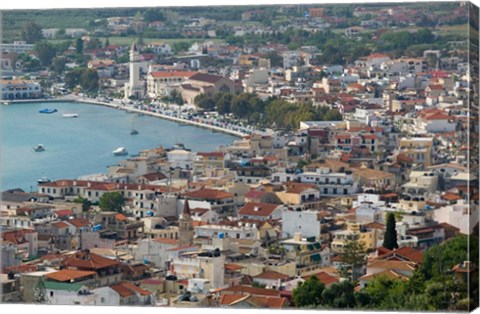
[(121, 151)]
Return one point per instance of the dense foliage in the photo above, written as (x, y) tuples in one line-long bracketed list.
[(266, 113), (111, 201), (433, 287)]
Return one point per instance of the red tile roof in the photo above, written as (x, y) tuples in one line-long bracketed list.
[(123, 291), (252, 290), (258, 209), (271, 275), (79, 222), (60, 225), (64, 213), (136, 289), (185, 74), (323, 277), (268, 302), (120, 217), (84, 260), (298, 188), (229, 299), (233, 267), (210, 194), (211, 154), (69, 274), (166, 241)]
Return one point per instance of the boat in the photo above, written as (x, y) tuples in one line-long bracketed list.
[(43, 180), (121, 151), (70, 115), (46, 110), (133, 131), (39, 148)]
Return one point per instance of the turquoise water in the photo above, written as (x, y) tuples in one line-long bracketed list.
[(83, 145)]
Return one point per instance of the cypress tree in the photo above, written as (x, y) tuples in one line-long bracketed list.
[(390, 238)]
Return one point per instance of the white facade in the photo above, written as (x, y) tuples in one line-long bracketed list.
[(153, 251), (19, 89), (331, 183), (304, 222), (106, 296), (241, 232), (204, 267), (160, 48), (180, 158), (459, 215), (17, 46), (66, 296)]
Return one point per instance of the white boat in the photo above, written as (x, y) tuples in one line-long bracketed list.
[(121, 151), (70, 115), (39, 148), (43, 180)]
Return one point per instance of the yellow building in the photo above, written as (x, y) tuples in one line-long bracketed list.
[(418, 148), (369, 236), (207, 160)]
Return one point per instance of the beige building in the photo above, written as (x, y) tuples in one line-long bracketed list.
[(160, 84), (418, 148), (202, 83)]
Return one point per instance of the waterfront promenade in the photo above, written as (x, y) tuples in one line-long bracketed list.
[(118, 104)]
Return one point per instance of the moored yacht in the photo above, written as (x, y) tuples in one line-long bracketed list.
[(121, 151), (39, 148)]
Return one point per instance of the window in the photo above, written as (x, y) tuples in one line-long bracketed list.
[(102, 300), (51, 293)]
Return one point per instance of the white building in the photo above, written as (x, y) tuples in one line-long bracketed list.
[(205, 265), (247, 231), (331, 183), (59, 293), (160, 48), (180, 158), (460, 215), (17, 47), (421, 183), (19, 89), (290, 59), (305, 222)]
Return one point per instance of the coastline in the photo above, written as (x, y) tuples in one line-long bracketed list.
[(129, 109)]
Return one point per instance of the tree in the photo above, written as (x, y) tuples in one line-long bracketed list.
[(85, 203), (153, 15), (31, 32), (353, 257), (332, 115), (45, 52), (308, 292), (58, 64), (79, 45), (89, 80), (390, 237), (204, 102), (339, 295), (111, 201), (72, 78), (40, 293)]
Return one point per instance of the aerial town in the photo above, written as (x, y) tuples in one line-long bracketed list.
[(352, 182)]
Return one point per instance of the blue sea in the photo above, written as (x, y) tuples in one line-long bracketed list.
[(80, 146)]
